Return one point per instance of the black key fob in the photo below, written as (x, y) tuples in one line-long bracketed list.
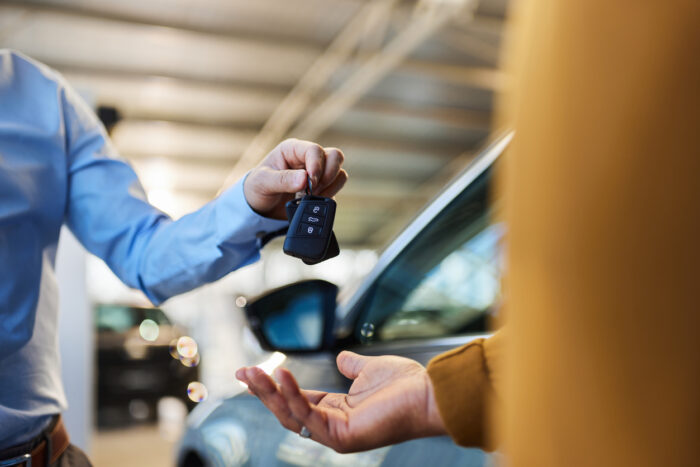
[(310, 236), (333, 247), (291, 208)]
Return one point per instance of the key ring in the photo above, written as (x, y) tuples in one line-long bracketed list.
[(309, 185)]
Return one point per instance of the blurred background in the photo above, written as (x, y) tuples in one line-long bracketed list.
[(195, 94)]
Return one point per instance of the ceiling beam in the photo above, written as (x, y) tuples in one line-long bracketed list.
[(479, 77), (22, 17), (88, 11), (489, 79), (342, 139), (471, 44), (477, 20), (154, 75), (172, 140), (480, 23), (356, 145), (452, 116), (315, 79), (428, 17), (112, 44), (476, 77), (490, 25)]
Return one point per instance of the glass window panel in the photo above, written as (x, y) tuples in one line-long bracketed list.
[(447, 280)]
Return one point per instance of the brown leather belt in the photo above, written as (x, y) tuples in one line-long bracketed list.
[(52, 442)]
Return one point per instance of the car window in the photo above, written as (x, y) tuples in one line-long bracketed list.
[(446, 281), (119, 318), (114, 318)]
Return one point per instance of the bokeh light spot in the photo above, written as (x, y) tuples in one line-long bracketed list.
[(190, 362), (186, 347), (196, 391), (172, 348), (149, 330)]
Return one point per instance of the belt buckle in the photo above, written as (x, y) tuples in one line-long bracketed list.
[(24, 458)]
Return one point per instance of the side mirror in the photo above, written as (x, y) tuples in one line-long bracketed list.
[(295, 318)]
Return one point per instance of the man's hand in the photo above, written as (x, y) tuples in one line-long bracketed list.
[(391, 400), (283, 173)]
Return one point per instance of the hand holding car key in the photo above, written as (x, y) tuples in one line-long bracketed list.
[(310, 235)]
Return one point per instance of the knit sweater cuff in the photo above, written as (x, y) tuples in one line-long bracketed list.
[(462, 389)]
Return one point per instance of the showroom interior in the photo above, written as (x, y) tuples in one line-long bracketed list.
[(195, 93), (203, 89)]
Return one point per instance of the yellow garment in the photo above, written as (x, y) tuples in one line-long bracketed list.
[(463, 380), (602, 197)]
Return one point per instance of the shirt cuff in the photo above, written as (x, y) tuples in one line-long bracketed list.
[(248, 224), (462, 390)]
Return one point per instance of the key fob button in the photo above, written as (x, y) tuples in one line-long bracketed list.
[(308, 229), (315, 210), (312, 219)]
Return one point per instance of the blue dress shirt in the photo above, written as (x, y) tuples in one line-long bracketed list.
[(58, 166)]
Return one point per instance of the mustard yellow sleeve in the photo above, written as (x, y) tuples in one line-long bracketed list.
[(601, 196), (463, 380)]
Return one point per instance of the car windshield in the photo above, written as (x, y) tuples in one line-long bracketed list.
[(446, 281)]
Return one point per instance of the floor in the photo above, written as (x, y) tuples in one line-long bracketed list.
[(140, 446)]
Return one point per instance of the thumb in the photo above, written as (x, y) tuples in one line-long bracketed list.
[(280, 181), (350, 364)]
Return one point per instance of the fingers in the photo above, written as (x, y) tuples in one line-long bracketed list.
[(306, 413), (314, 396), (322, 164), (331, 190), (272, 182), (289, 181), (299, 154), (295, 408), (350, 364), (262, 386), (334, 160)]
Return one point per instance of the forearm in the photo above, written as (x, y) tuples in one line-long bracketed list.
[(108, 212), (146, 249), (202, 246)]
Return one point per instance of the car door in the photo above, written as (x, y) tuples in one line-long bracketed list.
[(438, 293)]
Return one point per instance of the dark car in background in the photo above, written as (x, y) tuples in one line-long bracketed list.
[(138, 363), (432, 289)]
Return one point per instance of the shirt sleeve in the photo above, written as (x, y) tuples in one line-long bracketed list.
[(463, 380), (108, 212)]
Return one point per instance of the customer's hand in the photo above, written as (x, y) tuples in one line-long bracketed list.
[(391, 400), (284, 172)]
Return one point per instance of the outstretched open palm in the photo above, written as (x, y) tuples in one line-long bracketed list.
[(390, 400)]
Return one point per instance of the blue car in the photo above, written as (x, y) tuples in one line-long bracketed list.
[(434, 288)]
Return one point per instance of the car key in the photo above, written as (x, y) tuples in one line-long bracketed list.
[(333, 247), (310, 236)]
